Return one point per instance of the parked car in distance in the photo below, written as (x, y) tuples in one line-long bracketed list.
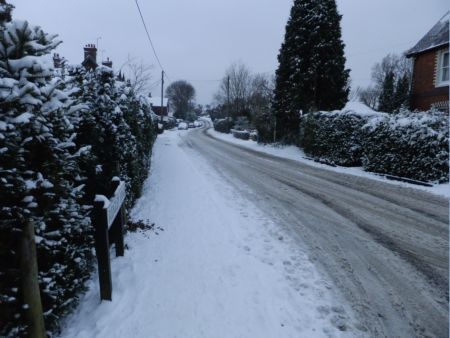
[(191, 125), (182, 126), (198, 124)]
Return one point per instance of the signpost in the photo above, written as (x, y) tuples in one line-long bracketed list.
[(108, 219)]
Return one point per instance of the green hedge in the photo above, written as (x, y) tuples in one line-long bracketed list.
[(408, 144), (333, 137)]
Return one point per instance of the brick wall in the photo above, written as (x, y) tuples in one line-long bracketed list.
[(424, 91)]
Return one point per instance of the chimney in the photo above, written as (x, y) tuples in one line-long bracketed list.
[(107, 63), (57, 61), (90, 50)]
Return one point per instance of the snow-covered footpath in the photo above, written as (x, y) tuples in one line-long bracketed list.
[(220, 268)]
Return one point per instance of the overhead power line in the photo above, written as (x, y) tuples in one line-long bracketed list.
[(148, 35)]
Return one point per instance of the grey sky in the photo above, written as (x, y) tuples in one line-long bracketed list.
[(197, 40)]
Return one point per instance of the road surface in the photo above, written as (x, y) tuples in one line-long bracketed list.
[(385, 247)]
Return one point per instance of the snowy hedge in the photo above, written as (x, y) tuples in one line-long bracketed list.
[(408, 144), (334, 137), (223, 125), (241, 134), (60, 143)]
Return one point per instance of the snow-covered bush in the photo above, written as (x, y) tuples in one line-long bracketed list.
[(335, 136), (241, 134), (40, 180), (223, 125), (408, 144), (60, 143), (241, 123), (117, 127)]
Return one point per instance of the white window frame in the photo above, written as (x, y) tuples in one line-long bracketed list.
[(440, 66)]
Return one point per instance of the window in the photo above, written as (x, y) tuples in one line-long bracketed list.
[(443, 73)]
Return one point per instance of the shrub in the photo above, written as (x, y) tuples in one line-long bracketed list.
[(223, 125), (408, 144), (333, 136), (241, 134)]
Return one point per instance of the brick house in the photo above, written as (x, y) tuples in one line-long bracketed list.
[(430, 82), (156, 106)]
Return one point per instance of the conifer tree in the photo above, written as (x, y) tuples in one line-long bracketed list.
[(402, 93), (386, 100), (311, 74)]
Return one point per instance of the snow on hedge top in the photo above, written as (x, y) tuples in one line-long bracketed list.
[(429, 122), (358, 109)]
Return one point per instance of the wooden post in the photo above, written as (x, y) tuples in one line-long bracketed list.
[(118, 225), (30, 284), (118, 230), (102, 250)]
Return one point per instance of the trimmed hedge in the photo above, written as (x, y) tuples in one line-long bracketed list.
[(223, 125), (241, 134), (409, 144), (333, 137)]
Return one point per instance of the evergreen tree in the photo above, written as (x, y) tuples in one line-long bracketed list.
[(386, 100), (39, 172), (402, 93), (137, 159), (311, 75)]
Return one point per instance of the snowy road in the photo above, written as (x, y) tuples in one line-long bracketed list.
[(256, 246), (385, 247), (220, 269)]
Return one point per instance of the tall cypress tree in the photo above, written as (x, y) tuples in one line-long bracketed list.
[(311, 75)]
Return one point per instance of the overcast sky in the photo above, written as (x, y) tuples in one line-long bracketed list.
[(197, 40)]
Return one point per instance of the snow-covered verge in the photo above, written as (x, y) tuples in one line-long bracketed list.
[(406, 144), (295, 153), (220, 268)]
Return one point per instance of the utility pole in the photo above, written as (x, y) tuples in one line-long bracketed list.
[(228, 96), (162, 94)]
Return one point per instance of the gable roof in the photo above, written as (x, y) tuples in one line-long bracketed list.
[(436, 37)]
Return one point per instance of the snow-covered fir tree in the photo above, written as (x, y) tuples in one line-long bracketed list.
[(38, 170), (60, 143), (136, 158), (311, 75), (117, 128)]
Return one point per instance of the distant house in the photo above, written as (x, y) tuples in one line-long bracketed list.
[(430, 83), (156, 106)]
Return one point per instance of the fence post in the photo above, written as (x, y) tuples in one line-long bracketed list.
[(102, 249), (30, 284)]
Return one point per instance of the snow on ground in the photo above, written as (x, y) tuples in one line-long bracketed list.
[(220, 268), (297, 154)]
